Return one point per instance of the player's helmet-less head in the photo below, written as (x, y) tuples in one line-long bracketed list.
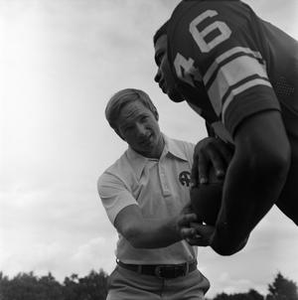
[(164, 76), (161, 31)]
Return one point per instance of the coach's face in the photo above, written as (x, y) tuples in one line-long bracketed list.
[(139, 127), (164, 76)]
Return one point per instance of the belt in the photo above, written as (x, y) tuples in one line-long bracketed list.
[(161, 271)]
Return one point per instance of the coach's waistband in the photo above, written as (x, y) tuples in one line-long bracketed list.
[(161, 271)]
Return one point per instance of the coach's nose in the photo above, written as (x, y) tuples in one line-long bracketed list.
[(141, 130)]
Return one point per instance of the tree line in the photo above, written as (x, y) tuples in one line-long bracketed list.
[(28, 286), (280, 289)]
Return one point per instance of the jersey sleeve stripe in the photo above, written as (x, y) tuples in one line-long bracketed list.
[(240, 89), (228, 54), (232, 73)]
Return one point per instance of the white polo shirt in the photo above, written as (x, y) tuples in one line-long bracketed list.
[(160, 187)]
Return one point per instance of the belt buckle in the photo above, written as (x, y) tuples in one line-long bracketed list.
[(158, 272), (170, 271)]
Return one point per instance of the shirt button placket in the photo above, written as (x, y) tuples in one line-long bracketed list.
[(163, 178)]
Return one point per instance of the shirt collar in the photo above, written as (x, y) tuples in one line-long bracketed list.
[(138, 161)]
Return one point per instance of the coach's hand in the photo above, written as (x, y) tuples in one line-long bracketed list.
[(210, 152), (203, 234), (192, 230)]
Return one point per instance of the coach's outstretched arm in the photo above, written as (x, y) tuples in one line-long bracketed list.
[(254, 179)]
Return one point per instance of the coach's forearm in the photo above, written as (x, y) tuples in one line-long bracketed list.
[(142, 232), (155, 233)]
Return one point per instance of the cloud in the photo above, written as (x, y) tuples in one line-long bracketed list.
[(40, 258), (270, 249), (233, 285), (61, 259), (41, 232), (93, 254)]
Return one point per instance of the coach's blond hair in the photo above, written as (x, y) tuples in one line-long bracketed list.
[(122, 98)]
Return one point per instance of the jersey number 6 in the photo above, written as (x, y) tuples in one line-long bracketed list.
[(199, 36), (185, 68)]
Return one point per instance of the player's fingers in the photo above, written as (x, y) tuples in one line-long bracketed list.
[(194, 170), (210, 152), (226, 150), (220, 155), (227, 153), (217, 161), (203, 166)]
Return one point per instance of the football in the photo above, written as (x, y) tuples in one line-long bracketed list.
[(206, 199)]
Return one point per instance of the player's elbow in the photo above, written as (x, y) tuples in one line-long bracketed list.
[(268, 174), (275, 164), (226, 251), (228, 248)]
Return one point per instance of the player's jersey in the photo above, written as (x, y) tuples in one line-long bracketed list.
[(232, 64)]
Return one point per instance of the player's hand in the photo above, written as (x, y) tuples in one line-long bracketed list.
[(210, 152)]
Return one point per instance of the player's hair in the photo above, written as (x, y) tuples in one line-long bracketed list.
[(161, 31), (122, 98)]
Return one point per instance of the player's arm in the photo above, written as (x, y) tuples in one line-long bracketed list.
[(254, 179), (240, 91), (147, 233)]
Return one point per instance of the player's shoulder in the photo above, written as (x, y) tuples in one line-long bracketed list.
[(189, 10)]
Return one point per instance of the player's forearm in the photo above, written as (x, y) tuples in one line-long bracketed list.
[(252, 186), (254, 179)]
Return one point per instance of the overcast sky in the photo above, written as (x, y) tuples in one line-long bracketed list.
[(60, 61)]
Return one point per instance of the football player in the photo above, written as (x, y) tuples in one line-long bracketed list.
[(240, 73)]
